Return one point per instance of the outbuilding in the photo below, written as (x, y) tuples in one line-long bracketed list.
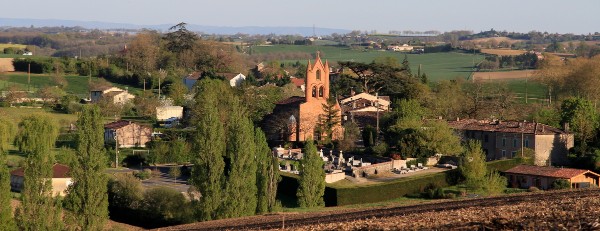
[(542, 177)]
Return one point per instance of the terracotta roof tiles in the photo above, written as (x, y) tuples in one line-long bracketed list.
[(564, 173), (58, 171), (505, 126)]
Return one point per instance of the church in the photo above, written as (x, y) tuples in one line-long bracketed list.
[(297, 118)]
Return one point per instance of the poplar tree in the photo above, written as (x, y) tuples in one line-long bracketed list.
[(207, 172), (39, 211), (240, 187), (312, 178), (473, 167), (267, 175), (88, 196), (6, 137)]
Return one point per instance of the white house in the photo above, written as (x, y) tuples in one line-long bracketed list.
[(235, 79), (403, 47), (118, 95), (365, 102)]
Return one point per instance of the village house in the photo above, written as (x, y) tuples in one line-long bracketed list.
[(128, 134), (403, 47), (504, 139), (297, 118), (235, 79), (542, 177), (299, 83), (61, 179), (115, 94), (364, 109), (169, 115), (191, 79)]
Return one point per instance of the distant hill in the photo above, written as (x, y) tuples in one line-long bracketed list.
[(304, 31)]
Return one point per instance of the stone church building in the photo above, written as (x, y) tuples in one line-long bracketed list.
[(297, 118)]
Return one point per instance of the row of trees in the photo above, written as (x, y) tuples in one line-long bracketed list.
[(86, 202)]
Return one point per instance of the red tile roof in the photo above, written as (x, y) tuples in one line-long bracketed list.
[(297, 81), (564, 173), (505, 126), (117, 124), (58, 171), (292, 100)]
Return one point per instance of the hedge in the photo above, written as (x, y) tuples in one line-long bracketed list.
[(337, 196)]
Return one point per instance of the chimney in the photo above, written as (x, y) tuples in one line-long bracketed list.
[(352, 93), (566, 127), (439, 117)]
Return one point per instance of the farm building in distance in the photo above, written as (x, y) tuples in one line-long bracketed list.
[(542, 177), (504, 139), (115, 94)]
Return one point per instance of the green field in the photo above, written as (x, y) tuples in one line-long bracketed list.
[(437, 66), (6, 45), (76, 84)]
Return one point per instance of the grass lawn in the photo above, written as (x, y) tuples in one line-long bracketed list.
[(76, 84), (437, 66), (17, 114), (6, 45)]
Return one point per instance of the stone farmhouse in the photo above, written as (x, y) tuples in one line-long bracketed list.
[(504, 139), (297, 118), (117, 95), (60, 179), (364, 109), (542, 177), (128, 134)]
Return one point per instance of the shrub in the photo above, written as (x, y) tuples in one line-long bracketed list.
[(166, 206), (561, 184), (494, 183), (143, 175), (124, 191)]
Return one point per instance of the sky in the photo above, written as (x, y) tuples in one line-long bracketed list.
[(553, 16)]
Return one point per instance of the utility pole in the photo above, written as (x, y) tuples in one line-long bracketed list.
[(29, 77), (116, 151)]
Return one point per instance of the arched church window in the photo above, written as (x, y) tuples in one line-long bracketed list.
[(318, 74), (321, 90), (314, 91)]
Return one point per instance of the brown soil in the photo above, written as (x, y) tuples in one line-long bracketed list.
[(503, 75), (570, 210), (6, 65)]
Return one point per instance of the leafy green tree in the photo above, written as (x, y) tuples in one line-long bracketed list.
[(88, 195), (267, 175), (240, 186), (561, 184), (39, 211), (177, 91), (312, 178), (124, 191), (473, 167), (207, 172), (583, 119), (166, 206), (179, 151), (7, 133)]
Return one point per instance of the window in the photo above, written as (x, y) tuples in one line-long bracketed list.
[(526, 142), (514, 143), (513, 154), (485, 138), (503, 142), (314, 91), (318, 74), (321, 90), (503, 153)]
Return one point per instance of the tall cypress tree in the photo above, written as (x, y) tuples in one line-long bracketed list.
[(312, 178), (240, 187), (267, 174), (207, 173), (39, 211), (88, 196), (6, 217)]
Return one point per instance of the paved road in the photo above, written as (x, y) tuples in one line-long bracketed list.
[(163, 178)]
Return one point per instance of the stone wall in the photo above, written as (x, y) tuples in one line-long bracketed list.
[(334, 177), (373, 169)]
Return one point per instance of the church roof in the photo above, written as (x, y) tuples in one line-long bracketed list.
[(292, 100)]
